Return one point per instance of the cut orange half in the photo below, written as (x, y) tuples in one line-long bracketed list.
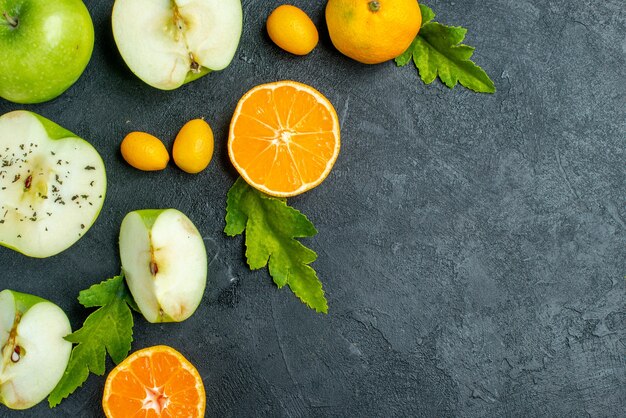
[(154, 382), (284, 138)]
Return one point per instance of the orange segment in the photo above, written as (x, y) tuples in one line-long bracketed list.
[(127, 383), (156, 382), (284, 138)]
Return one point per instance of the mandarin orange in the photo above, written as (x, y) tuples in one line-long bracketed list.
[(284, 138), (154, 382)]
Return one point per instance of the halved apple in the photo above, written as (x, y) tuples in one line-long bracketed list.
[(168, 43), (52, 185), (165, 263), (34, 352)]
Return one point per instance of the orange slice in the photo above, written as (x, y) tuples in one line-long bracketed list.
[(154, 382), (284, 138)]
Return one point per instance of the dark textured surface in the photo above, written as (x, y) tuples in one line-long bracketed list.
[(472, 247)]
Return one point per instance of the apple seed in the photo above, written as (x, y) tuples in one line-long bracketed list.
[(15, 356)]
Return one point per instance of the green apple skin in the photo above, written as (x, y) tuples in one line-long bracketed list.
[(165, 263), (45, 45), (34, 353), (66, 219)]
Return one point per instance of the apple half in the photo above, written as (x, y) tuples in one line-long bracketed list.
[(34, 352), (167, 43), (52, 185), (165, 263)]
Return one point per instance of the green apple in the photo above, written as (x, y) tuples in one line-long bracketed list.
[(34, 352), (168, 43), (165, 263), (52, 185), (45, 46)]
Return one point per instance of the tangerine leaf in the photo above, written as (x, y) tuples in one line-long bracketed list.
[(109, 329), (437, 52), (271, 228), (427, 14)]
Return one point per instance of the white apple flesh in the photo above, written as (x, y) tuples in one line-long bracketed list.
[(52, 185), (167, 43), (34, 352), (165, 263)]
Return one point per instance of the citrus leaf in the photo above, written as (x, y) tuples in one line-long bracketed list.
[(427, 14), (102, 293), (108, 329), (271, 228), (406, 56), (437, 51)]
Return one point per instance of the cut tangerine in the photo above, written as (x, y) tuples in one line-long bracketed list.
[(154, 382), (284, 138)]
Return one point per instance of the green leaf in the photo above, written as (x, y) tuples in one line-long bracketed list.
[(427, 14), (102, 293), (271, 227), (437, 51), (108, 329), (406, 56)]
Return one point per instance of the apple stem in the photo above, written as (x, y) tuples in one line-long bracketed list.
[(195, 67), (12, 20)]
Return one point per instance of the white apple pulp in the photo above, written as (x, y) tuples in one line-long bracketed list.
[(165, 263), (52, 185), (169, 42), (34, 352)]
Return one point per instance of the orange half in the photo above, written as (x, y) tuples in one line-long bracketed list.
[(154, 382), (284, 138)]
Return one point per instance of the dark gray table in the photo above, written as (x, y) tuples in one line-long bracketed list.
[(472, 247)]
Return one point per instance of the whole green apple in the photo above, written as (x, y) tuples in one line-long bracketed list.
[(45, 46)]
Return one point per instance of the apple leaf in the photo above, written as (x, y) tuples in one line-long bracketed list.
[(437, 51), (108, 329), (271, 228)]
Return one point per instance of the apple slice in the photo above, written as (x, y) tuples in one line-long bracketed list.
[(52, 185), (34, 352), (165, 263), (168, 43)]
